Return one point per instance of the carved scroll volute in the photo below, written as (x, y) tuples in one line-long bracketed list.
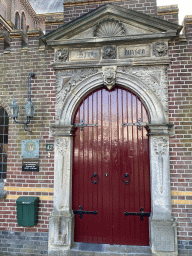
[(109, 76), (160, 147)]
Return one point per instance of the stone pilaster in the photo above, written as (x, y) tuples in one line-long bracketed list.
[(163, 232), (61, 223)]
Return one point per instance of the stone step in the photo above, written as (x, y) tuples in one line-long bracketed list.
[(87, 249)]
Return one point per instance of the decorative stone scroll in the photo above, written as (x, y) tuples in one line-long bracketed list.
[(109, 76), (155, 78), (109, 27), (160, 49), (61, 55), (109, 52), (66, 81)]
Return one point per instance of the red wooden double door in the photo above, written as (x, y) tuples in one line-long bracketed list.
[(111, 173)]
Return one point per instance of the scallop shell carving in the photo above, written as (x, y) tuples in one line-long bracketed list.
[(108, 28)]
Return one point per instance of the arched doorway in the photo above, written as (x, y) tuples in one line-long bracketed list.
[(111, 173)]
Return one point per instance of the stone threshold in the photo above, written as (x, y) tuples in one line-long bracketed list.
[(89, 249)]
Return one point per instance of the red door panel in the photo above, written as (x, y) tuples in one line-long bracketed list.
[(111, 151)]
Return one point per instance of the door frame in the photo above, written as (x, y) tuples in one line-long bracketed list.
[(163, 238)]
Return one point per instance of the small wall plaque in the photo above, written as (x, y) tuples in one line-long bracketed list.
[(30, 149), (49, 147), (30, 165)]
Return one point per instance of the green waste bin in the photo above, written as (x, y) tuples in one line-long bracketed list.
[(27, 211)]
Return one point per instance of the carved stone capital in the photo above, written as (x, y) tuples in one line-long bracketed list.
[(109, 76), (159, 129)]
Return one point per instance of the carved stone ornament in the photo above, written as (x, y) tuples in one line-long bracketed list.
[(155, 78), (109, 77), (160, 145), (109, 52), (109, 27), (62, 144), (61, 55), (160, 49), (66, 82)]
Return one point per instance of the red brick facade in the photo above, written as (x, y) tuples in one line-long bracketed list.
[(15, 64)]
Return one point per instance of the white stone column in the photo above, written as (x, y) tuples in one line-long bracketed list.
[(163, 236), (61, 223)]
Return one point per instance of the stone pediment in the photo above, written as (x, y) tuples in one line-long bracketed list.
[(111, 23)]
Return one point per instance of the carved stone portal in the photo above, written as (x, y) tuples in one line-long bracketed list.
[(109, 76)]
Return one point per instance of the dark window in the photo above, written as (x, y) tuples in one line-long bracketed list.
[(23, 21), (4, 124), (17, 20)]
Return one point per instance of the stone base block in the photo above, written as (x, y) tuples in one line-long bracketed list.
[(61, 234), (163, 237)]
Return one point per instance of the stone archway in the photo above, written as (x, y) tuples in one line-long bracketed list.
[(163, 239)]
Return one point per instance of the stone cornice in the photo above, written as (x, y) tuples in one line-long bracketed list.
[(34, 32), (118, 62), (167, 10), (159, 129), (54, 22), (68, 3)]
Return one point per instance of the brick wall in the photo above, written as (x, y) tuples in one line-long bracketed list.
[(23, 243), (73, 10), (180, 113), (169, 13), (15, 65)]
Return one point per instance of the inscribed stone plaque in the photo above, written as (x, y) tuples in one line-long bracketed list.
[(30, 165), (30, 149), (164, 239), (134, 51), (84, 54)]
